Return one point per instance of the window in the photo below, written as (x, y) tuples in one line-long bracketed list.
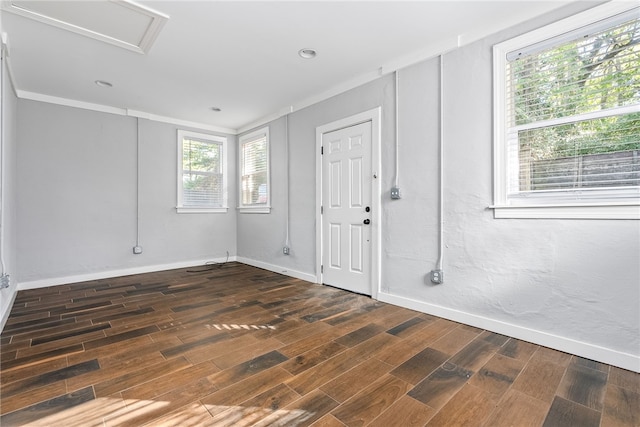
[(567, 118), (202, 185), (255, 193)]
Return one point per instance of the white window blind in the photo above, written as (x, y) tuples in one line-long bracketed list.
[(254, 169), (573, 115), (201, 171)]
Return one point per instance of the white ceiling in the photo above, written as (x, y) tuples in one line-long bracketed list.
[(242, 56)]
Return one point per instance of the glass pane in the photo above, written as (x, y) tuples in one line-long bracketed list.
[(254, 156), (590, 74), (588, 154), (254, 189), (202, 190), (200, 156)]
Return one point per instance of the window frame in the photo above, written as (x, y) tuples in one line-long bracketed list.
[(212, 139), (548, 206), (243, 139)]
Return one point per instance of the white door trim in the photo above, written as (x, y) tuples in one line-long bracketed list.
[(373, 116)]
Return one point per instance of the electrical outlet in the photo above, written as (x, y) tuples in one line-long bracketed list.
[(137, 250), (395, 193), (436, 276), (285, 250)]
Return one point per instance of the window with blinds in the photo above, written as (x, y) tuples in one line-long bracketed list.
[(572, 116), (201, 180), (254, 170)]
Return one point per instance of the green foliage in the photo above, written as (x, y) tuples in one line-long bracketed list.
[(604, 135), (597, 73), (202, 173), (200, 156)]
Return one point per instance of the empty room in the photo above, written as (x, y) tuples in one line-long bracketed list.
[(320, 213)]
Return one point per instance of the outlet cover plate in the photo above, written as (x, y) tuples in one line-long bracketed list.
[(436, 276), (395, 193)]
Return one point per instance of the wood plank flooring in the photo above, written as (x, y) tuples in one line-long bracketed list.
[(233, 345)]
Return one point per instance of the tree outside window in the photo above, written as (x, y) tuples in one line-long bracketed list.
[(572, 112), (201, 171)]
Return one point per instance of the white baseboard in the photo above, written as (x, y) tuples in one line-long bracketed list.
[(278, 269), (589, 351), (7, 311), (623, 360), (43, 283)]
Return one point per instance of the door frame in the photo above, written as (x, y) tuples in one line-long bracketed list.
[(373, 116)]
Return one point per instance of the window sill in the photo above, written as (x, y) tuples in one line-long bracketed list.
[(255, 209), (575, 211), (189, 210)]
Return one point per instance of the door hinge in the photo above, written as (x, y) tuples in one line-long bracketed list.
[(321, 210), (321, 150), (322, 269)]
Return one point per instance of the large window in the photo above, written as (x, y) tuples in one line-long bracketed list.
[(255, 193), (568, 118), (201, 173)]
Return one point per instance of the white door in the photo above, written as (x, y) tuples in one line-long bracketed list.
[(346, 208)]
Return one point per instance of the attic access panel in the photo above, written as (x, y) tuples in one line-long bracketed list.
[(118, 22)]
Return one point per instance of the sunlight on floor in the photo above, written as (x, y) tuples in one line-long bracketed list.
[(238, 416), (105, 411)]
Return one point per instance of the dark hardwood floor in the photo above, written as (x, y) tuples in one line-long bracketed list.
[(233, 345)]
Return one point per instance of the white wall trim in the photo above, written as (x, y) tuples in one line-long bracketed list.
[(630, 211), (375, 117), (611, 357), (265, 120), (432, 51), (33, 96), (316, 99), (55, 281), (542, 205), (7, 312), (252, 136), (179, 122), (590, 351), (278, 269)]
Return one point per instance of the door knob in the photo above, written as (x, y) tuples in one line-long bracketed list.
[(367, 221)]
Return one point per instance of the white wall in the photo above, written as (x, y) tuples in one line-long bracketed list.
[(569, 284), (76, 190), (8, 169), (261, 237)]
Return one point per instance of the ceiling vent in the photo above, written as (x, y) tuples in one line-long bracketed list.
[(118, 22)]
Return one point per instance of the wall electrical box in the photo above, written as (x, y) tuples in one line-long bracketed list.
[(436, 276)]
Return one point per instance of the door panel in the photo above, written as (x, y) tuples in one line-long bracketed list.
[(346, 192), (336, 184), (335, 246), (355, 169), (356, 244)]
